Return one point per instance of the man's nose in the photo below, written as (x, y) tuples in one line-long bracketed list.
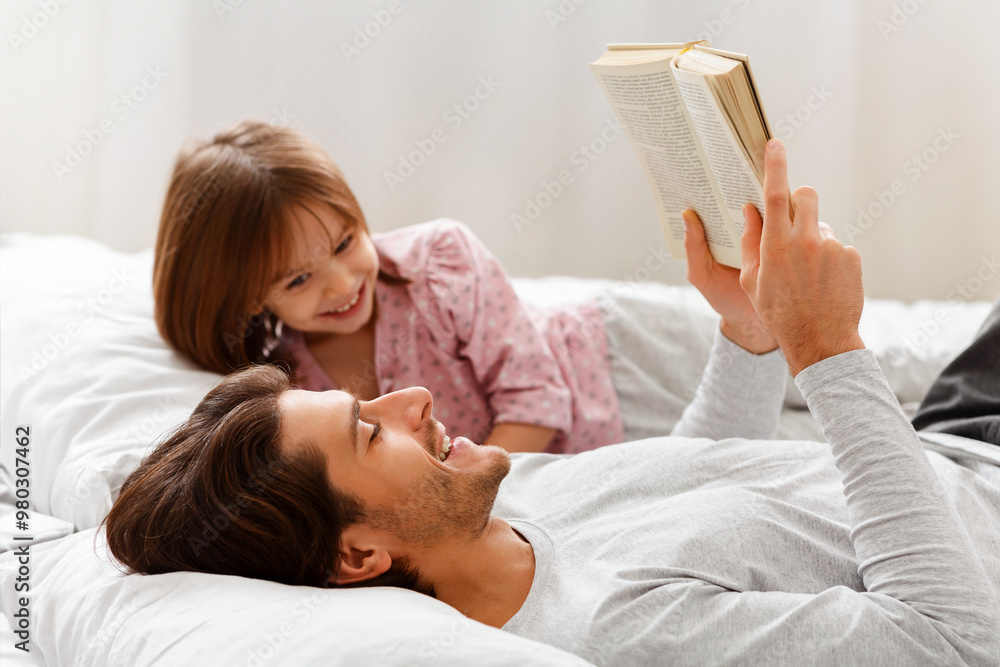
[(415, 404)]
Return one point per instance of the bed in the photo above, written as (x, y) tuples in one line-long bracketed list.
[(86, 370)]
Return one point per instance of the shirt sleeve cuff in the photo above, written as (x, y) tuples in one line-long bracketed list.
[(813, 379), (734, 351)]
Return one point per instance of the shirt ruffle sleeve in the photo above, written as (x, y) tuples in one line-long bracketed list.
[(471, 299)]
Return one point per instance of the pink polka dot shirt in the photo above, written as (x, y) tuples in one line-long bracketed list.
[(458, 329)]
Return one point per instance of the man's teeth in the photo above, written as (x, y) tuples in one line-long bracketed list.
[(350, 305), (445, 448)]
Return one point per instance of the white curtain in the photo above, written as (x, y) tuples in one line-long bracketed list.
[(889, 109)]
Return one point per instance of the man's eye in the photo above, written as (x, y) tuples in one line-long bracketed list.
[(345, 244), (299, 279)]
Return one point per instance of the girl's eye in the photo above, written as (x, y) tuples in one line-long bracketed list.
[(345, 244), (376, 430), (299, 279)]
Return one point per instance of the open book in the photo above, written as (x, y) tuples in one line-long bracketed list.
[(695, 118)]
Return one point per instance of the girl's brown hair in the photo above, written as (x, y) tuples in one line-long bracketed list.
[(223, 238)]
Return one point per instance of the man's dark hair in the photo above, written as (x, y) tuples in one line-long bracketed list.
[(221, 496)]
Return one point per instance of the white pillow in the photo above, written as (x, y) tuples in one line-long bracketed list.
[(85, 368), (86, 613)]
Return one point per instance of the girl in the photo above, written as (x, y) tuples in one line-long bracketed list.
[(263, 255)]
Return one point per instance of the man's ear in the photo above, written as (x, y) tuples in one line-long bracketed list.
[(362, 557)]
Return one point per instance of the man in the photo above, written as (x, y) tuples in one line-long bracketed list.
[(664, 551)]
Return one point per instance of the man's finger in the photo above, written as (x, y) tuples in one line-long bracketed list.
[(806, 210), (695, 245), (750, 244), (776, 191)]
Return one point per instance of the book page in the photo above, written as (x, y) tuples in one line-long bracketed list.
[(736, 179), (647, 101)]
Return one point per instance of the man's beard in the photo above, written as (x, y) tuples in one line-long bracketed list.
[(444, 504)]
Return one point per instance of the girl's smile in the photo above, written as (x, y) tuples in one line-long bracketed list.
[(349, 309)]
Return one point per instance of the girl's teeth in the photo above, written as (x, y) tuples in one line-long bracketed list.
[(350, 305)]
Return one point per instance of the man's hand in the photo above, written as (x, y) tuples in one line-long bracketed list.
[(804, 283), (720, 284)]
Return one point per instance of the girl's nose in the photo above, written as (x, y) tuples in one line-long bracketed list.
[(338, 281)]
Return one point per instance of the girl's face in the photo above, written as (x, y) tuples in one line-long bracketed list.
[(323, 293)]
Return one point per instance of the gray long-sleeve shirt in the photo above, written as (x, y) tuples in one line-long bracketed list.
[(680, 550)]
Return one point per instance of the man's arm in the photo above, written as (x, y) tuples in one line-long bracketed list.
[(743, 385), (927, 597), (911, 547), (740, 394)]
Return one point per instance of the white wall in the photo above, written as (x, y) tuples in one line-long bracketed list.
[(886, 92)]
